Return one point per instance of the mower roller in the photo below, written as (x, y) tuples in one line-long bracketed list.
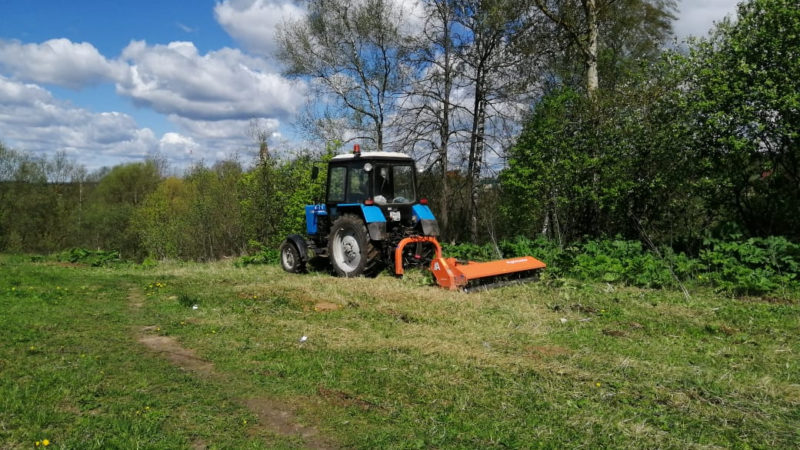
[(371, 218)]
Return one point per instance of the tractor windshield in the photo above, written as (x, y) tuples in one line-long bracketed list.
[(383, 181), (394, 184)]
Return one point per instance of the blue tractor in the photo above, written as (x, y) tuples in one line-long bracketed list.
[(372, 218)]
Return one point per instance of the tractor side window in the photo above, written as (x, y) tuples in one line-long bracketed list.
[(403, 184), (336, 184), (358, 185)]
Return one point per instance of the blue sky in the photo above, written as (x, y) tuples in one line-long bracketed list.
[(115, 81)]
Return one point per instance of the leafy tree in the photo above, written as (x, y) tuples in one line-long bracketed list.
[(620, 162), (161, 220), (112, 203), (607, 37), (745, 93)]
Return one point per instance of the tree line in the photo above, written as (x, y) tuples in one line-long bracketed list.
[(210, 212), (567, 119)]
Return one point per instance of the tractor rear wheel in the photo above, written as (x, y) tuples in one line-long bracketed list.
[(290, 257), (350, 251)]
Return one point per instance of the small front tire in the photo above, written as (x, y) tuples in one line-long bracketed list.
[(290, 258)]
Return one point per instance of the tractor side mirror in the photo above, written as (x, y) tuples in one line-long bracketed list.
[(314, 173)]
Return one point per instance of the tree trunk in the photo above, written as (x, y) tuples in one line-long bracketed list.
[(476, 155), (444, 130), (592, 79)]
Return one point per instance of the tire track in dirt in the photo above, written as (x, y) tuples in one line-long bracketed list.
[(273, 415)]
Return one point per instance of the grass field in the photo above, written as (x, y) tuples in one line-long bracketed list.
[(119, 357)]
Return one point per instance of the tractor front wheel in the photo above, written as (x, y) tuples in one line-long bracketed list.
[(349, 248), (290, 257)]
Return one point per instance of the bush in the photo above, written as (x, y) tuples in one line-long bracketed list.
[(752, 267), (263, 255), (94, 258)]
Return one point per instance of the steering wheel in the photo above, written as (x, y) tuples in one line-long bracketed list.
[(399, 200)]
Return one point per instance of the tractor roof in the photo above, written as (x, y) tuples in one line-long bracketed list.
[(373, 155)]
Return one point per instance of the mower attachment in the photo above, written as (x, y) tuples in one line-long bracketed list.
[(454, 275)]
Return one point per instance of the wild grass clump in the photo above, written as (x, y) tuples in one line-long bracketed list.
[(187, 300)]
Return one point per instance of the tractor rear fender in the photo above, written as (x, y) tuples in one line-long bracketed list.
[(372, 215), (301, 245), (426, 218)]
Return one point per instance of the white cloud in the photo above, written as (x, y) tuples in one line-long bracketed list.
[(253, 22), (59, 62), (31, 119), (224, 129), (696, 18), (224, 84)]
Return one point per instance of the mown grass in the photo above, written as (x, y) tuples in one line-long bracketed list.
[(395, 364)]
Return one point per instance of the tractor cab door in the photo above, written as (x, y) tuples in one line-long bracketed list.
[(348, 183)]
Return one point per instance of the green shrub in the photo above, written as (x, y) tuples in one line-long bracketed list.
[(752, 267), (263, 255), (94, 258), (469, 252)]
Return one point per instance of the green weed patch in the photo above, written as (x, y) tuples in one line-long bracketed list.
[(756, 266)]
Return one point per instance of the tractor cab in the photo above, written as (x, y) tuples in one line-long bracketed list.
[(374, 178)]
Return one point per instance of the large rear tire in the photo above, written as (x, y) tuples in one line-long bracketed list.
[(350, 251), (290, 258)]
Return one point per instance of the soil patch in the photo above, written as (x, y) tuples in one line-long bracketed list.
[(278, 418), (538, 351), (342, 398), (326, 306), (176, 354), (135, 298)]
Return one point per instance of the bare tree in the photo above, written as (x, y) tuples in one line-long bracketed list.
[(501, 63), (350, 51), (428, 115)]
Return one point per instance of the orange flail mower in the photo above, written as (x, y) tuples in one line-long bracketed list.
[(459, 275)]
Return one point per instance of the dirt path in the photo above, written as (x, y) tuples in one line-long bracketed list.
[(273, 416)]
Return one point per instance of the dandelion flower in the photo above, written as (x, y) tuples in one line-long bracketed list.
[(597, 384), (45, 442), (37, 443)]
